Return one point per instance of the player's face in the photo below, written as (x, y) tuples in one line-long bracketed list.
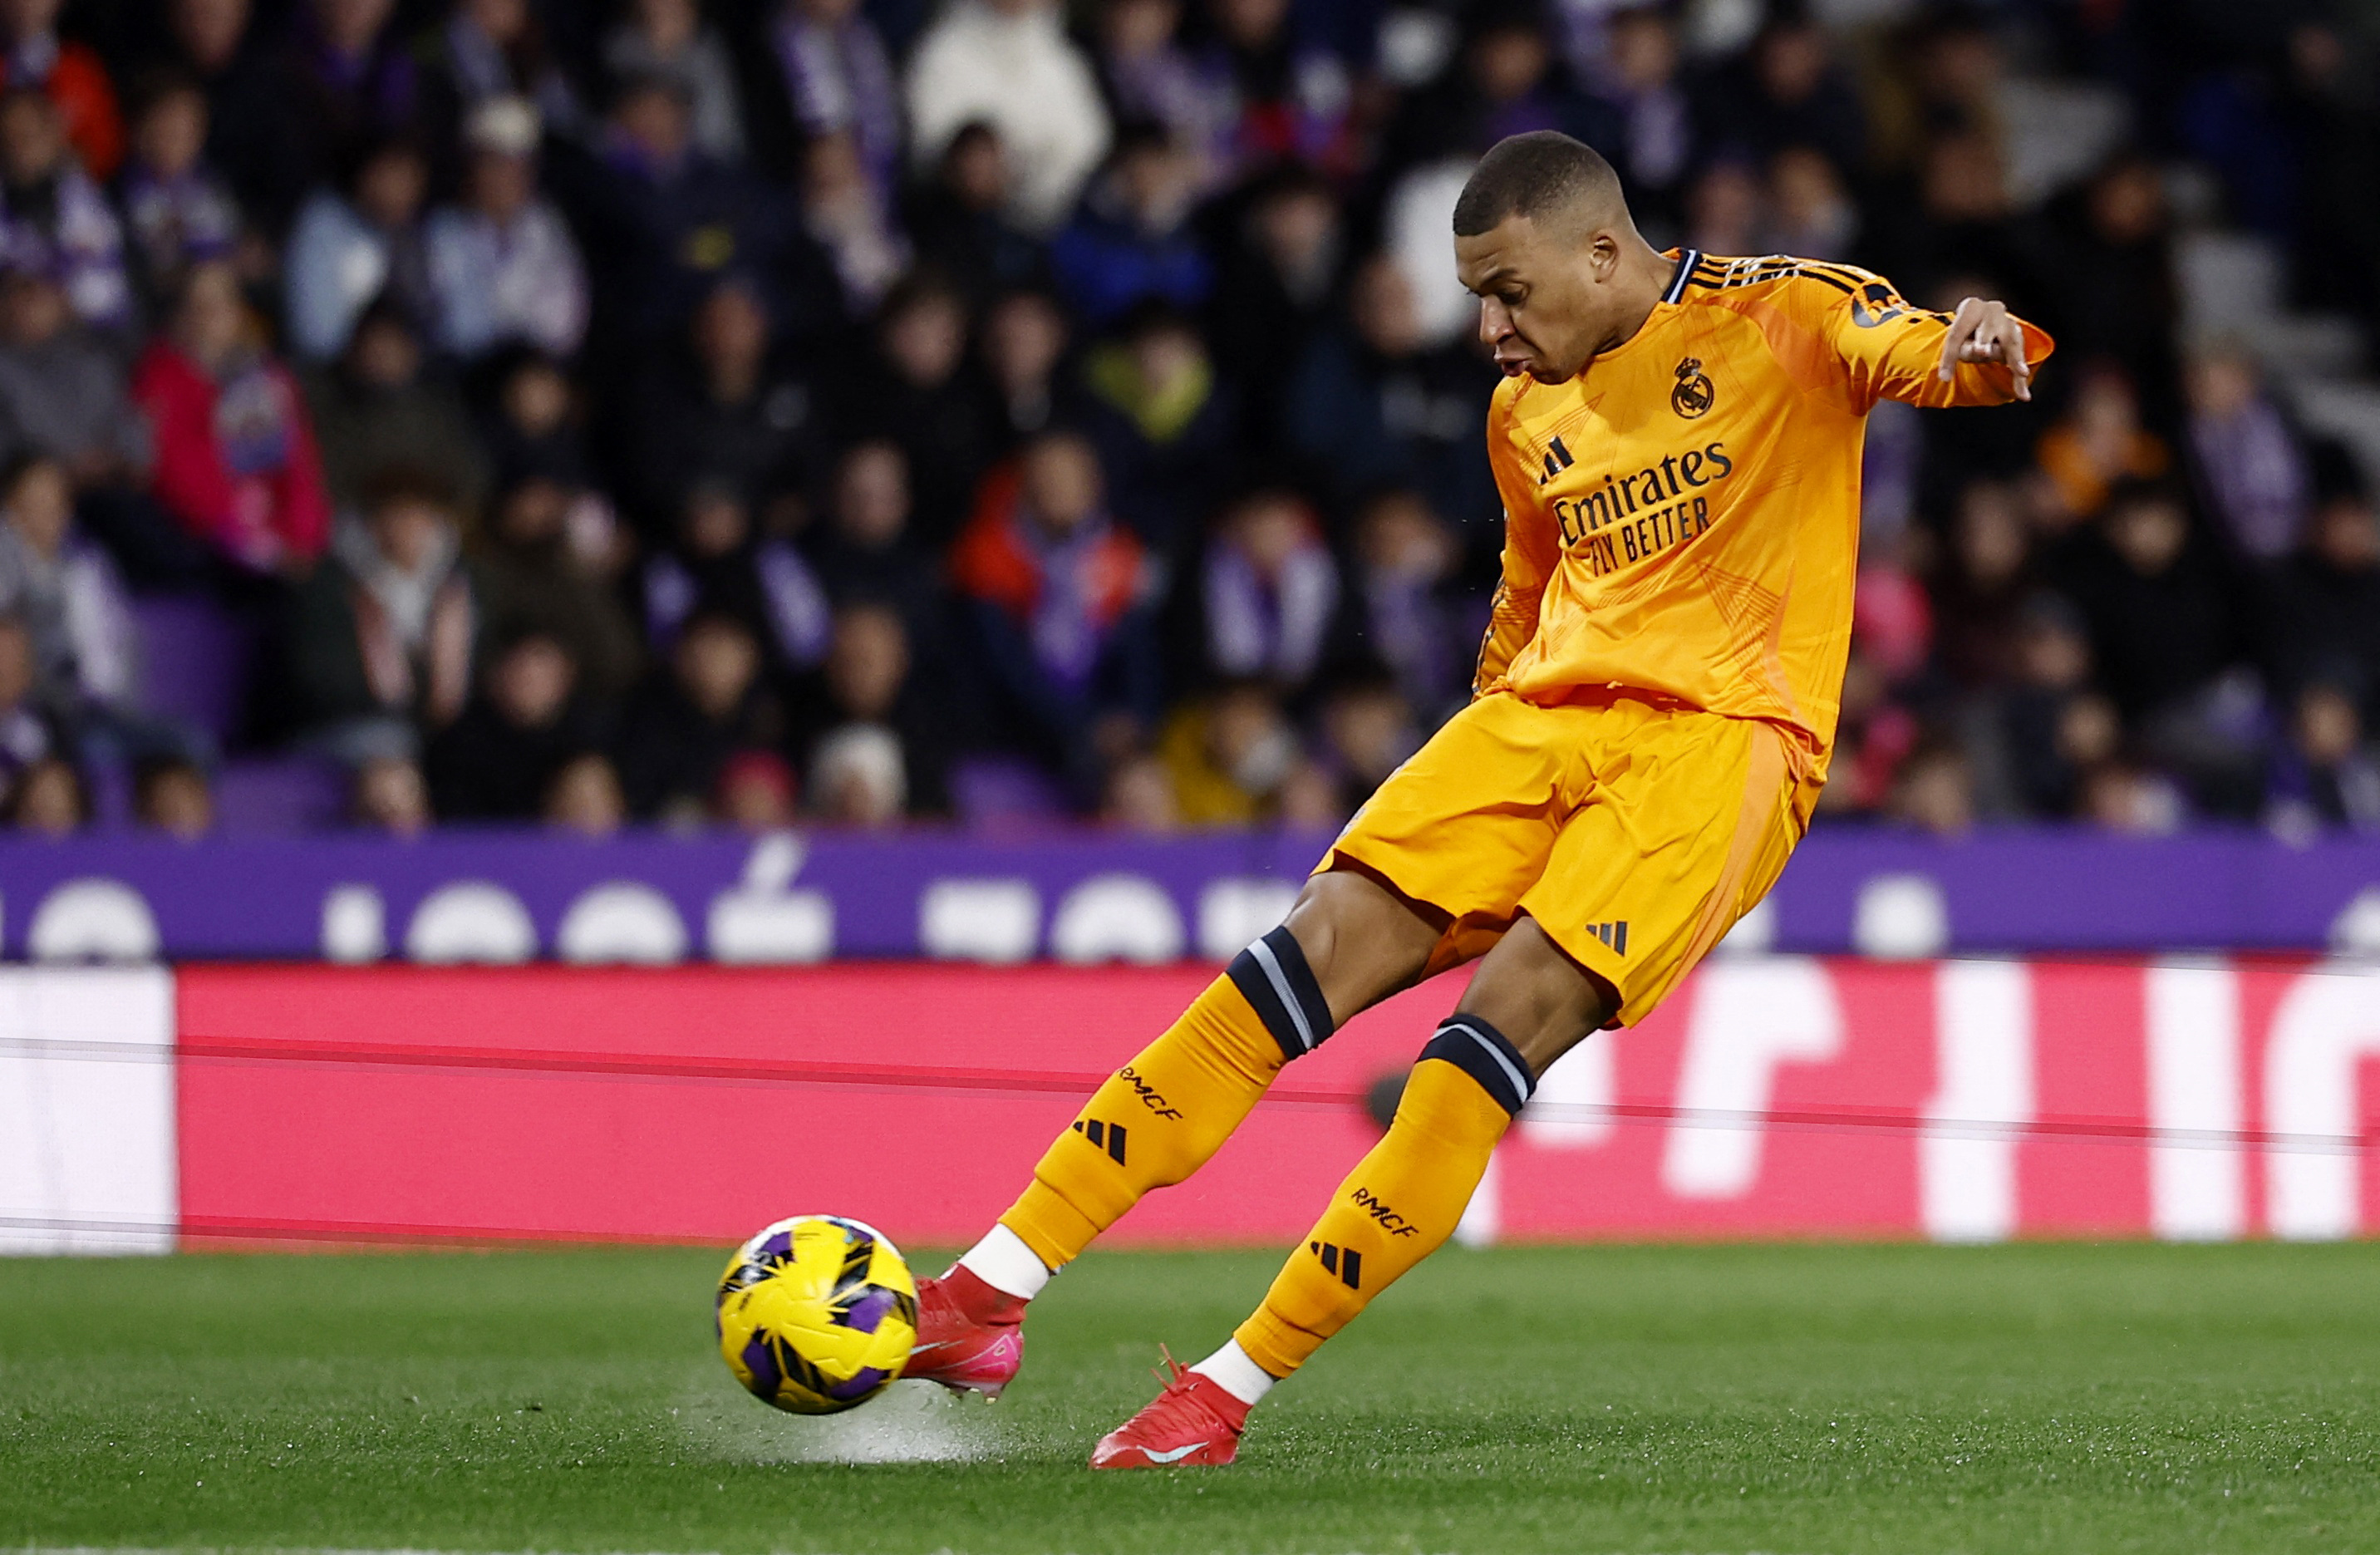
[(1545, 302)]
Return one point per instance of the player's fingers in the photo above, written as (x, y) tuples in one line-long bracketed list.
[(1962, 329), (2013, 352)]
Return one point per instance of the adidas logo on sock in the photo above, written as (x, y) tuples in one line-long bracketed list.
[(1345, 1263), (1107, 1136)]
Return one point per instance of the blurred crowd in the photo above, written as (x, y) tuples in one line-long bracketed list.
[(757, 411)]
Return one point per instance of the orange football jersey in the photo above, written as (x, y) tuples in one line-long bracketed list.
[(1682, 517)]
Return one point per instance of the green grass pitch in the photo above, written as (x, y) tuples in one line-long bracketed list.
[(1901, 1398)]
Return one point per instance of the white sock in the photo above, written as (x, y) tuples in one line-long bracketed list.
[(1003, 1261), (1230, 1370)]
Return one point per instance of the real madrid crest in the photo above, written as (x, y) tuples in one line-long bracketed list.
[(1693, 393)]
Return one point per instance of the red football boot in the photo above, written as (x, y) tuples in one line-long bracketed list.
[(1194, 1421), (970, 1335)]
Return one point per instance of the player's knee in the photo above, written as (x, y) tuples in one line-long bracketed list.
[(1360, 939), (1530, 990)]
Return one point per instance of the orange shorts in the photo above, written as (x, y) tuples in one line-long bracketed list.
[(1635, 831)]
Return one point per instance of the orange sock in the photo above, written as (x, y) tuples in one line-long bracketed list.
[(1160, 1117), (1401, 1201)]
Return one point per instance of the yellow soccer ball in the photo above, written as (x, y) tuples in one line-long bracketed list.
[(817, 1314)]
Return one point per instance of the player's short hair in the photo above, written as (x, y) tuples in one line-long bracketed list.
[(1532, 175)]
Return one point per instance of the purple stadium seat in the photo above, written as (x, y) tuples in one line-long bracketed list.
[(196, 659), (995, 791), (278, 795)]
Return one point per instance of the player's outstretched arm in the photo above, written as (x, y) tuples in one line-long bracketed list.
[(1981, 355)]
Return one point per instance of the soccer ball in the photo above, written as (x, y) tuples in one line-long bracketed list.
[(817, 1314)]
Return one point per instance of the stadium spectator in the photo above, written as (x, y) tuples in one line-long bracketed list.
[(535, 572), (915, 391), (856, 777), (2167, 630), (2249, 468), (1368, 730), (1289, 93), (499, 759), (1505, 83), (1277, 281), (2327, 774), (1229, 755), (71, 74), (1009, 63), (1162, 421), (1787, 89), (343, 82), (757, 793), (532, 427), (359, 245), (1149, 76), (1139, 797), (727, 412), (1809, 212), (503, 268), (1132, 239), (30, 728), (1403, 611), (49, 799), (235, 462), (2099, 441), (667, 40), (867, 680), (269, 172), (1059, 599), (67, 594), (585, 798), (1982, 584), (61, 388), (1646, 119), (1934, 791), (55, 219), (1269, 590), (2322, 619), (849, 217), (178, 207), (381, 637), (378, 406), (2115, 297), (664, 223), (491, 51), (708, 701), (388, 795), (1025, 340), (959, 218), (1372, 401), (866, 553), (716, 562), (833, 76), (170, 795)]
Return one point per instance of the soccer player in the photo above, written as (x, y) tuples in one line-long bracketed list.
[(1677, 442)]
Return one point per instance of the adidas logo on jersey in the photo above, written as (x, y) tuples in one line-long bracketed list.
[(1106, 1135), (1614, 934), (1557, 459), (1345, 1263)]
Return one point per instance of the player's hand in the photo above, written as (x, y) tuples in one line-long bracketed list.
[(1986, 332)]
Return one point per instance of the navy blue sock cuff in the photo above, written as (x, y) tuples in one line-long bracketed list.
[(1274, 978), (1480, 1050)]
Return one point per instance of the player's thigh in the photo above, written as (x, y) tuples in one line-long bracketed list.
[(1681, 838), (1363, 939), (1468, 823)]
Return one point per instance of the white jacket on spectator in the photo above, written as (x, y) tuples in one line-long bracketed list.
[(75, 610), (498, 284), (1010, 63)]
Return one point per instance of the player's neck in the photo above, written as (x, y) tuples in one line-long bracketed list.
[(1644, 275)]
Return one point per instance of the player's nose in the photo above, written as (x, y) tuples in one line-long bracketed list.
[(1495, 323)]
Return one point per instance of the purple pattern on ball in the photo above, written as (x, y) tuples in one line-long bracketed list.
[(766, 1377), (778, 1247), (859, 1387), (869, 1310)]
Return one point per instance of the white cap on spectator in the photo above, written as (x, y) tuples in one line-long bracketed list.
[(506, 126)]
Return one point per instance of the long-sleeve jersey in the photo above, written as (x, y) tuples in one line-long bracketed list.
[(1681, 517)]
